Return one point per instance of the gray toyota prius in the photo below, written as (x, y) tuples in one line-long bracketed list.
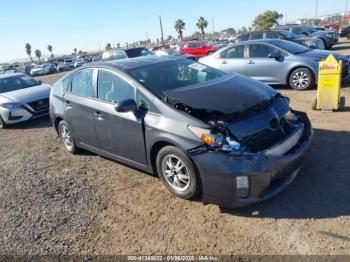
[(230, 139)]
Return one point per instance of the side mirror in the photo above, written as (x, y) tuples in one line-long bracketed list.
[(274, 55), (127, 105)]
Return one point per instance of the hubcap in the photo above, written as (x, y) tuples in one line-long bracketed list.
[(66, 137), (175, 173), (300, 80)]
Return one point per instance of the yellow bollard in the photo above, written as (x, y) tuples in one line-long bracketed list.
[(329, 83)]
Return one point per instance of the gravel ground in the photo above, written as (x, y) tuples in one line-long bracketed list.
[(52, 202)]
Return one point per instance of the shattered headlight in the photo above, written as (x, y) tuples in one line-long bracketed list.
[(219, 141)]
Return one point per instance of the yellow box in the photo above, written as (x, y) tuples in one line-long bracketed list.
[(329, 83)]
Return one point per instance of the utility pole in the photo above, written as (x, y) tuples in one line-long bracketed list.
[(212, 21), (161, 29), (316, 8)]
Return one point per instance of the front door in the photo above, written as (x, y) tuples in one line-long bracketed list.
[(263, 68), (120, 134)]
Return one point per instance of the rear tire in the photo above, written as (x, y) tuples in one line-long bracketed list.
[(301, 79), (177, 172), (2, 123), (65, 134)]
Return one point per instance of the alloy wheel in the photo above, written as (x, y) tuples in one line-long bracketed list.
[(176, 173), (66, 137), (301, 80)]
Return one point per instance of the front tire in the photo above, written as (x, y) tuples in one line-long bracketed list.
[(66, 137), (301, 79), (177, 172)]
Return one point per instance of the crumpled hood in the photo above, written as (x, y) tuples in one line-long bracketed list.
[(323, 54), (26, 95), (229, 94)]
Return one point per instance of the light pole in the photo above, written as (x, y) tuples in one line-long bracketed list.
[(346, 6), (316, 8)]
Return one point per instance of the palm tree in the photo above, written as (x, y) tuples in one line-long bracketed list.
[(38, 54), (50, 48), (108, 46), (29, 51), (179, 27), (75, 51), (202, 24)]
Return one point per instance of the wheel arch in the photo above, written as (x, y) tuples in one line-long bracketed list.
[(57, 120), (314, 74)]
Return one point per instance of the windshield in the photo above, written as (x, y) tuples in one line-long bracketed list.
[(166, 76), (13, 83), (291, 47), (287, 34), (310, 29)]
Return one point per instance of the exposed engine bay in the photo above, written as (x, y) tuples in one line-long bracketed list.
[(255, 130)]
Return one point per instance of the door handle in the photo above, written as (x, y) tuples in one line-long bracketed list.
[(68, 105), (251, 62), (98, 115), (224, 62)]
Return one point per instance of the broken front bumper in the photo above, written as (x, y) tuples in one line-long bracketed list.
[(268, 173)]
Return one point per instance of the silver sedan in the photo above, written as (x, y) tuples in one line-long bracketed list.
[(22, 98), (274, 62)]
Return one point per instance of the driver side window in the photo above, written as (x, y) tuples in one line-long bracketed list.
[(260, 51), (112, 88)]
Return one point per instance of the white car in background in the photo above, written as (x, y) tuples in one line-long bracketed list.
[(22, 98)]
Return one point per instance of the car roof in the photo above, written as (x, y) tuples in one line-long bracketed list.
[(10, 75), (270, 41), (133, 63)]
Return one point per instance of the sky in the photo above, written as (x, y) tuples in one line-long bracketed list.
[(90, 24)]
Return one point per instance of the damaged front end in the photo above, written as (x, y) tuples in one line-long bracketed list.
[(256, 130), (250, 156)]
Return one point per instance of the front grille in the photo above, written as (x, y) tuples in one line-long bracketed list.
[(267, 138), (39, 105)]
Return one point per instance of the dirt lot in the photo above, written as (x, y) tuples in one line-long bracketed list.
[(53, 202)]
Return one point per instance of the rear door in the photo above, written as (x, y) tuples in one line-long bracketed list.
[(232, 60), (261, 67), (120, 134), (78, 112)]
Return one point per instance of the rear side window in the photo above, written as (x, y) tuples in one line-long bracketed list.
[(243, 38), (82, 84), (256, 36), (112, 88), (233, 52)]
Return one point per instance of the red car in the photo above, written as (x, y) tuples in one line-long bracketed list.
[(198, 48)]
